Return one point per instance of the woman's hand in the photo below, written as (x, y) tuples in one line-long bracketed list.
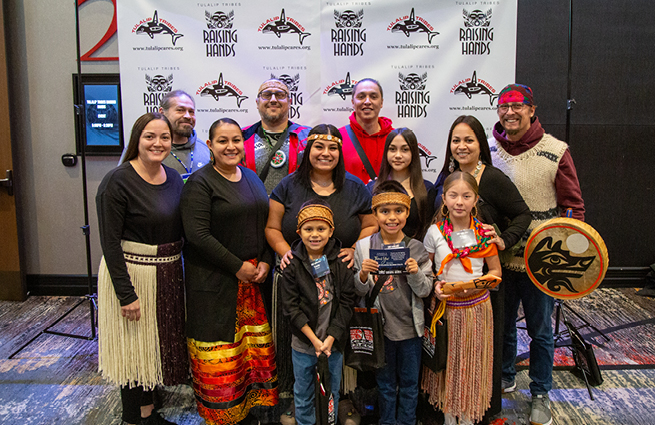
[(132, 311), (247, 272), (348, 256), (438, 292), (285, 260), (490, 231), (262, 272)]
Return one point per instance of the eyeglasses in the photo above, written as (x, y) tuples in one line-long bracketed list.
[(268, 95), (516, 107)]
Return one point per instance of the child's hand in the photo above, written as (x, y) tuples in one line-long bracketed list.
[(438, 292), (411, 266), (327, 346), (318, 346), (368, 266)]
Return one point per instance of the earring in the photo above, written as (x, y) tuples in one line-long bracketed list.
[(211, 157), (444, 212), (451, 165), (474, 211)]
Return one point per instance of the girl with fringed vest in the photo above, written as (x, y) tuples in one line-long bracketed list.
[(458, 245)]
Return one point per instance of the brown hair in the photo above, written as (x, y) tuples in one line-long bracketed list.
[(141, 123), (449, 182)]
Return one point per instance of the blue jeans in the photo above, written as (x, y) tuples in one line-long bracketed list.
[(304, 370), (402, 370), (538, 309)]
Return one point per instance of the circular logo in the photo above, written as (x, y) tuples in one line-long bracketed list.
[(278, 159)]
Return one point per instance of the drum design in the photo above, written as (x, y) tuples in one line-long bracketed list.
[(566, 258)]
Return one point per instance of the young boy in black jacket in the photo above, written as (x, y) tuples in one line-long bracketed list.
[(317, 297)]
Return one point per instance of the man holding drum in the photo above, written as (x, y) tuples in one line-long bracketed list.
[(542, 169)]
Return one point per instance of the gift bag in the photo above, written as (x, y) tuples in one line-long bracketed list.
[(365, 348), (325, 407), (435, 345)]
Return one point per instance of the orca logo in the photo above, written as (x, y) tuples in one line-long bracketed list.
[(295, 96), (219, 37), (218, 89), (412, 24), (412, 99), (472, 86), (155, 26), (427, 157), (476, 36), (157, 87), (341, 88), (283, 25)]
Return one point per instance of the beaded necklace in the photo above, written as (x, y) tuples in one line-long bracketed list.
[(446, 228)]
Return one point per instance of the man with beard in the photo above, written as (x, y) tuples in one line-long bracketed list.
[(542, 169), (187, 153), (364, 138), (273, 146)]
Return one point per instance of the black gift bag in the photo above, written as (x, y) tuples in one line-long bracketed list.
[(325, 407), (435, 346), (365, 348)]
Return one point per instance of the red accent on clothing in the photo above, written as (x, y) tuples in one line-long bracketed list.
[(373, 145), (567, 185)]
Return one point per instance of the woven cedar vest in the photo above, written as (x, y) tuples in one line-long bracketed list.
[(533, 172)]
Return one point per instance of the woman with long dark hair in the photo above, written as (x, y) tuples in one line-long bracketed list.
[(224, 210), (401, 162), (500, 203), (140, 286), (321, 174)]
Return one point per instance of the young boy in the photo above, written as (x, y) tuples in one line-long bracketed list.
[(400, 302), (317, 298)]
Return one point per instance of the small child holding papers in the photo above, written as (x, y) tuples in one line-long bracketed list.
[(399, 300), (317, 297)]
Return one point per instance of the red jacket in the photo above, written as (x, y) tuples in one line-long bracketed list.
[(373, 145), (297, 140)]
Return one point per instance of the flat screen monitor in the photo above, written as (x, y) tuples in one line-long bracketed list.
[(101, 130)]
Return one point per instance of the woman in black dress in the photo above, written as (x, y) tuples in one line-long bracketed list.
[(224, 211), (140, 286)]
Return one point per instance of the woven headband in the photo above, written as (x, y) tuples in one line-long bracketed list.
[(315, 212), (326, 137), (275, 84), (391, 198)]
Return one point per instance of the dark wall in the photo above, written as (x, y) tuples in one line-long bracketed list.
[(612, 135)]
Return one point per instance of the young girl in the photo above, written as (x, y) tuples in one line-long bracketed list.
[(464, 389), (401, 162), (399, 300)]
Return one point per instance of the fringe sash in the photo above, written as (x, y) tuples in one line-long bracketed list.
[(129, 351), (464, 388)]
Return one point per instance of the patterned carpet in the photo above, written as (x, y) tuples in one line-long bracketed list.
[(628, 320), (55, 381)]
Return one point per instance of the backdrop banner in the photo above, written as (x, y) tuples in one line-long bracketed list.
[(435, 59)]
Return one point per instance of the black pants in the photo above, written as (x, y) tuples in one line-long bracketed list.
[(133, 398)]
